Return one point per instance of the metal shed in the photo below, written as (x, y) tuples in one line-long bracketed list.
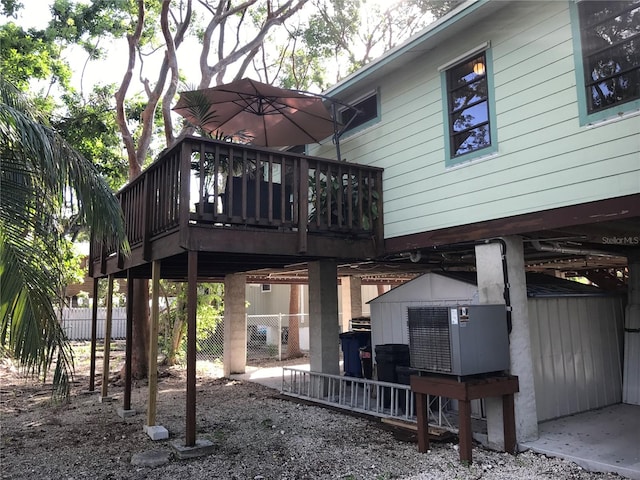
[(576, 334)]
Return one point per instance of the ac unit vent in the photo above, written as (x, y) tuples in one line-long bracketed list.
[(429, 338)]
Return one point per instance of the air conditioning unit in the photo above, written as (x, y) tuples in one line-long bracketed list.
[(459, 340)]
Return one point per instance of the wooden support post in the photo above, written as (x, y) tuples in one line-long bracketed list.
[(422, 418), (94, 337), (509, 422), (153, 343), (129, 345), (107, 340), (192, 302), (464, 431)]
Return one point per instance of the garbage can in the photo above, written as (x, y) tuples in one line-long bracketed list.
[(351, 343), (388, 357), (367, 362), (403, 374)]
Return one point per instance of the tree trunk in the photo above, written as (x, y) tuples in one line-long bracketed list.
[(140, 354), (178, 329), (293, 346)]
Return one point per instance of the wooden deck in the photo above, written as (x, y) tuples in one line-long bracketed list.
[(243, 208)]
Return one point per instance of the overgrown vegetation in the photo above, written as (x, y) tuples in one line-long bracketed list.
[(173, 320)]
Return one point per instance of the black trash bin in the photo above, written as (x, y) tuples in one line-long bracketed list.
[(351, 343), (366, 362), (388, 357), (403, 374)]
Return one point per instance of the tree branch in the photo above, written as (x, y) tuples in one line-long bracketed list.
[(120, 95), (276, 18), (172, 61)]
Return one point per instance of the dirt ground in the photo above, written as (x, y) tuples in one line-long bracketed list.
[(256, 435)]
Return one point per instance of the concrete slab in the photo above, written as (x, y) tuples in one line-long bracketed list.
[(200, 449), (269, 377), (152, 458), (603, 440), (122, 413), (156, 432), (105, 399)]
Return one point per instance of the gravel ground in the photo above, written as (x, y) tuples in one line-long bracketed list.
[(256, 434)]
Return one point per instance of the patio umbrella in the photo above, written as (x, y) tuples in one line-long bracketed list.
[(266, 115)]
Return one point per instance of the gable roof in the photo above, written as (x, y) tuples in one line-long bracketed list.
[(539, 285)]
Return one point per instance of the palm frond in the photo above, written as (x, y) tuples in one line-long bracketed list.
[(54, 167), (29, 328), (199, 108), (43, 181)]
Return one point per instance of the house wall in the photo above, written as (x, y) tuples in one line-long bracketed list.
[(277, 300), (545, 159), (272, 302)]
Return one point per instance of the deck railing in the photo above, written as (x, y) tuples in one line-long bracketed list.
[(209, 182)]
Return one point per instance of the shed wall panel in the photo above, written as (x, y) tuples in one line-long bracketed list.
[(576, 349)]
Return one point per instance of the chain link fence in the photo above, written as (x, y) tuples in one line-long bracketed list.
[(267, 338), (267, 335)]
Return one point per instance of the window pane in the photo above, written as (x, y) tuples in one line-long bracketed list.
[(615, 90), (368, 111), (470, 117), (466, 73), (469, 94), (472, 140)]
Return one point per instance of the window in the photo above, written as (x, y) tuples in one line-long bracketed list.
[(468, 107), (608, 51), (368, 113), (297, 149), (265, 287)]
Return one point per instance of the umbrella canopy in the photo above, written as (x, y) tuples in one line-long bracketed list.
[(265, 115)]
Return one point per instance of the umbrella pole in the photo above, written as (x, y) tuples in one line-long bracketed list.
[(336, 134)]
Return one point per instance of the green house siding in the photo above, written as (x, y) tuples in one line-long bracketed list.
[(546, 157)]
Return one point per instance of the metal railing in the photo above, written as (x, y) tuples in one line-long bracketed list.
[(371, 397)]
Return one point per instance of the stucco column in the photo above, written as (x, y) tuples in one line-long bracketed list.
[(234, 356), (491, 282), (631, 377), (351, 296), (323, 317)]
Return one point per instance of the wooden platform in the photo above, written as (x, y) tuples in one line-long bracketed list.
[(464, 391)]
